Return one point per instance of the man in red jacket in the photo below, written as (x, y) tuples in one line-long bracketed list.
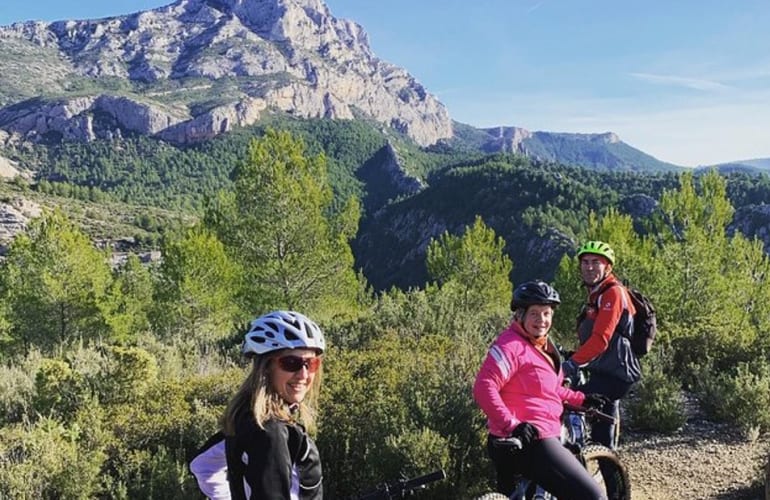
[(604, 331)]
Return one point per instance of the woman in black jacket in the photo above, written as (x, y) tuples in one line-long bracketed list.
[(269, 452)]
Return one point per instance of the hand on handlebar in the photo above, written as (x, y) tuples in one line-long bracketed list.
[(526, 433), (596, 401)]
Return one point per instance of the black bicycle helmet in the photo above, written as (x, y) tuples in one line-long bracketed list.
[(534, 292)]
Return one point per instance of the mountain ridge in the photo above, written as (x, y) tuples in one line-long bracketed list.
[(256, 55), (191, 70)]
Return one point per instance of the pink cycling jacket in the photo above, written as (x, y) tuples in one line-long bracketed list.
[(516, 383)]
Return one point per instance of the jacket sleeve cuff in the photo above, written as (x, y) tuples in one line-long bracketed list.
[(511, 425)]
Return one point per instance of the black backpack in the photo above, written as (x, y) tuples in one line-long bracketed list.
[(645, 323)]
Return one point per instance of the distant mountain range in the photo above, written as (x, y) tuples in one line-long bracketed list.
[(755, 166), (597, 151)]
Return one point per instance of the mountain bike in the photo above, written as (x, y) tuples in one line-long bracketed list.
[(401, 488), (602, 463)]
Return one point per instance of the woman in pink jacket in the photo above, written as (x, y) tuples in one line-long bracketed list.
[(519, 388)]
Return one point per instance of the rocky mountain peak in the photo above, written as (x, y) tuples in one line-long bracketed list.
[(202, 67)]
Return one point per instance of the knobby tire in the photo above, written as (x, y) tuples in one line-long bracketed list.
[(601, 461)]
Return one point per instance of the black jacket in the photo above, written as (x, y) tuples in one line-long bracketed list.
[(273, 463)]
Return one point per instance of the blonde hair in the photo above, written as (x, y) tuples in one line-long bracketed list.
[(256, 395)]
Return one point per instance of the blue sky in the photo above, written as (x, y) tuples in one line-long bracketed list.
[(687, 81)]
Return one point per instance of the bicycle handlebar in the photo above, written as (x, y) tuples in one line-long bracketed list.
[(509, 442), (590, 412), (402, 487)]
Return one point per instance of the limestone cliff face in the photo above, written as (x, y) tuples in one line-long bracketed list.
[(14, 217), (507, 139), (196, 68)]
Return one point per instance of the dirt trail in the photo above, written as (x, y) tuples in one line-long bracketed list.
[(704, 460)]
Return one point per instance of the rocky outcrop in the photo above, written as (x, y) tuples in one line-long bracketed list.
[(754, 222), (8, 168), (16, 213), (548, 249), (77, 118), (386, 179), (506, 139), (638, 206), (217, 121), (14, 216), (405, 183), (287, 55)]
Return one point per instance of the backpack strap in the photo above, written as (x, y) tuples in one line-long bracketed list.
[(588, 303), (627, 316), (236, 469), (607, 287)]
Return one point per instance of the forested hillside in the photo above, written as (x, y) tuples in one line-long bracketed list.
[(531, 205), (112, 376), (407, 194)]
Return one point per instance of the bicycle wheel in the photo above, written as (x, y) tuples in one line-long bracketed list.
[(605, 467)]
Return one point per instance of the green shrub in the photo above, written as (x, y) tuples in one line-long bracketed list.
[(403, 393), (49, 460), (657, 404), (415, 452), (132, 371), (59, 389), (740, 396), (157, 433), (412, 454), (17, 390), (160, 473)]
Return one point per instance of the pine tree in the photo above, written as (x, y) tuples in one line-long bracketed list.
[(277, 225), (473, 268), (55, 285), (196, 289)]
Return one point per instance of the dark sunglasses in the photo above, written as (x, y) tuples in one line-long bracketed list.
[(290, 363)]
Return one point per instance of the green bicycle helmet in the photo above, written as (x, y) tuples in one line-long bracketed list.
[(598, 248)]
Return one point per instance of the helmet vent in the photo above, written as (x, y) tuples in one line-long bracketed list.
[(273, 328)]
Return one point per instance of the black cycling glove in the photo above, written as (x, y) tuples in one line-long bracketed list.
[(526, 433), (596, 401)]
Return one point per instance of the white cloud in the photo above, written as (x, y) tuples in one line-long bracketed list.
[(535, 7), (680, 81)]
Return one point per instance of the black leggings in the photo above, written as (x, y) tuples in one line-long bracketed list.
[(546, 462)]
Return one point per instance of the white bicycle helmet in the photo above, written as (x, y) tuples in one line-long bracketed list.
[(282, 330)]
